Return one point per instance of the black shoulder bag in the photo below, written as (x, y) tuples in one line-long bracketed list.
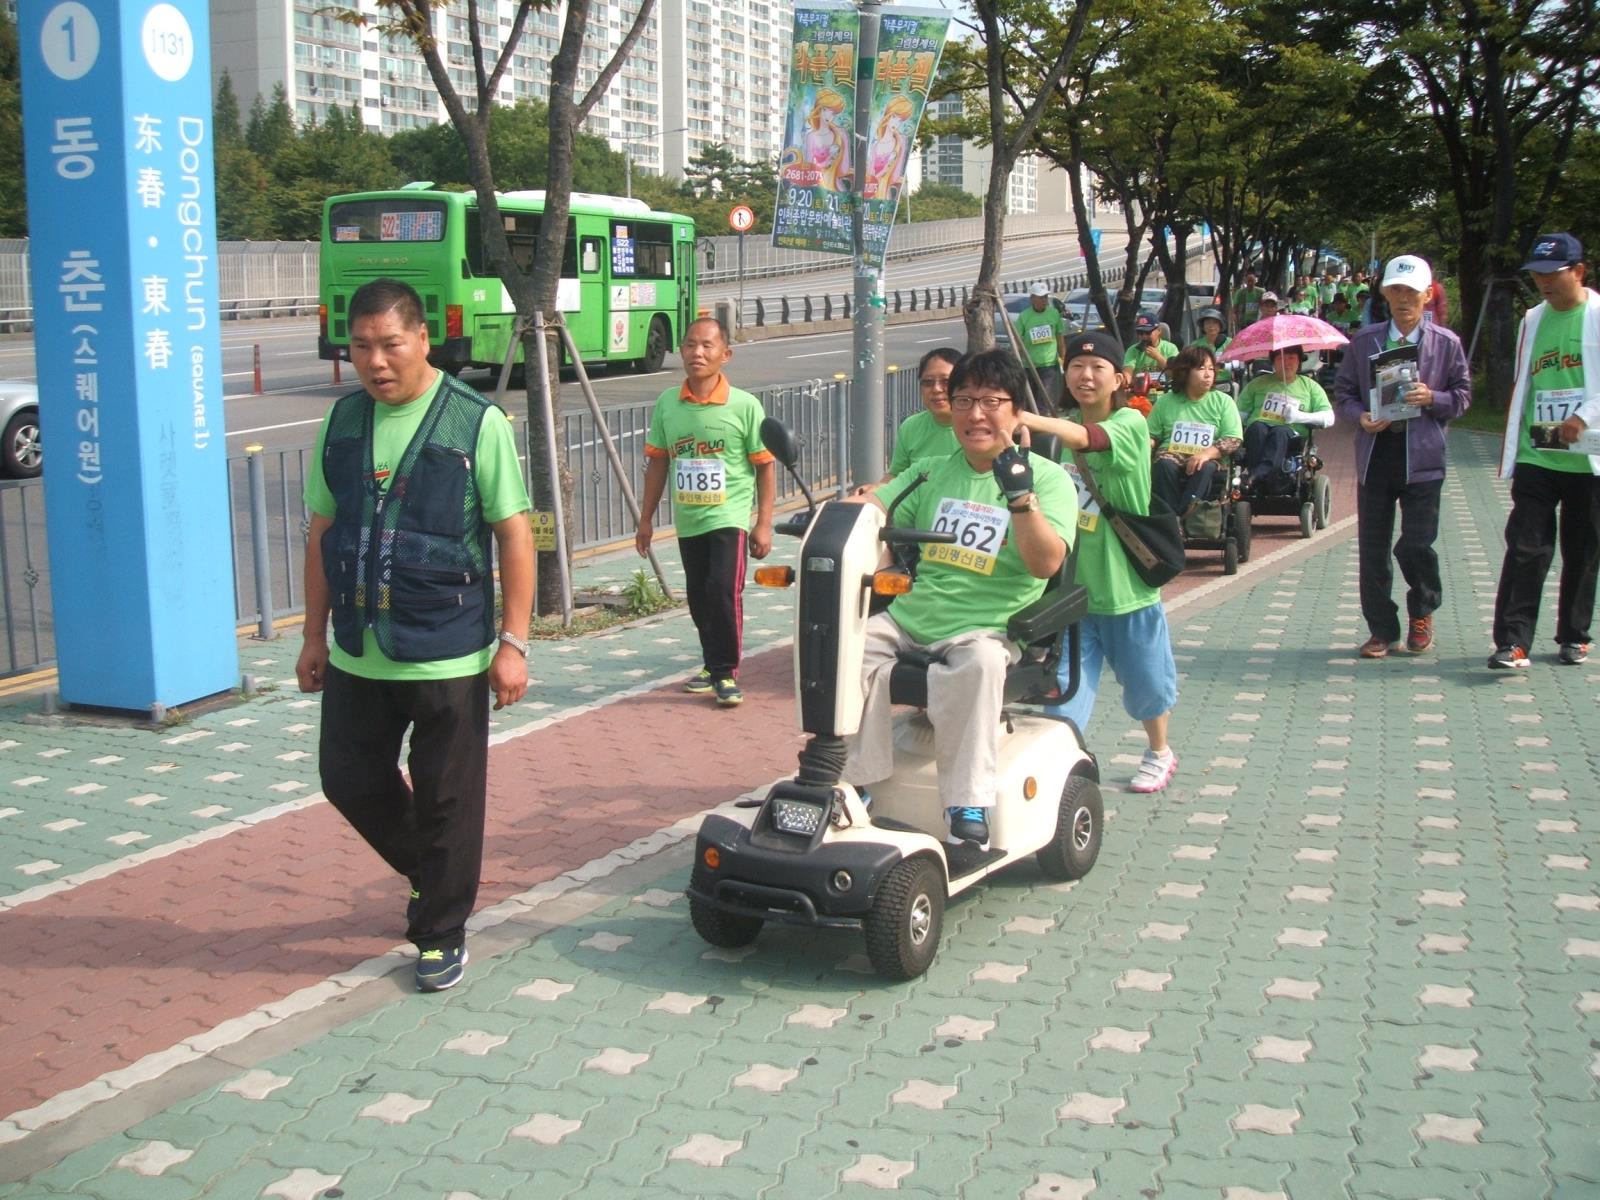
[(1154, 542)]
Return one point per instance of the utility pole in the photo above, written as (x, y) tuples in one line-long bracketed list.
[(867, 458)]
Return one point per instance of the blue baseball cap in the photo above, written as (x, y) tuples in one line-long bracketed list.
[(1554, 252)]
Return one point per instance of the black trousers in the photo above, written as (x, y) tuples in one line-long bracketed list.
[(713, 568), (430, 830), (1168, 481), (1531, 536), (1266, 445), (1376, 497)]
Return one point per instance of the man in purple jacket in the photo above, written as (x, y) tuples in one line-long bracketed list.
[(1402, 461)]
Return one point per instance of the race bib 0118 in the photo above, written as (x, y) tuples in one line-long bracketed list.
[(979, 529), (699, 481), (1191, 437)]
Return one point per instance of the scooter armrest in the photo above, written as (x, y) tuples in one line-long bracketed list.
[(1049, 614)]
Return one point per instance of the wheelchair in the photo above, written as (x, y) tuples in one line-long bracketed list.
[(1221, 521), (1299, 490)]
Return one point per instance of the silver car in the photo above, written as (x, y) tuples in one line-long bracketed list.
[(20, 454)]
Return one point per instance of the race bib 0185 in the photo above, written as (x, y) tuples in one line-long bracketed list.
[(699, 481)]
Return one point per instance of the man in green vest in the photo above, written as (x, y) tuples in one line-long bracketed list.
[(411, 478)]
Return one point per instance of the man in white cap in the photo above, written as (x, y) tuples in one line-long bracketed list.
[(1550, 423), (1044, 338), (1402, 462)]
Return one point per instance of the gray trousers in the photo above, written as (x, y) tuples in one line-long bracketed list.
[(964, 702)]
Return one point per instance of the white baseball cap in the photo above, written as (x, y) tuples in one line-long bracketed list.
[(1408, 271), (1039, 289)]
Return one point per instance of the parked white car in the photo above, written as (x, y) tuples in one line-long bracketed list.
[(21, 456)]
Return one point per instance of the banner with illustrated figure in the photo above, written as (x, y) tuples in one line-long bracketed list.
[(910, 42), (816, 172)]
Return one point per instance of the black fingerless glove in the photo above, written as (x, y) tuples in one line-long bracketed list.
[(1014, 473)]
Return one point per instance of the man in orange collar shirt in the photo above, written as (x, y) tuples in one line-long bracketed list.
[(705, 439)]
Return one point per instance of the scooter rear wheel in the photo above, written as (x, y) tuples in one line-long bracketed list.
[(1072, 852), (906, 920), (725, 929)]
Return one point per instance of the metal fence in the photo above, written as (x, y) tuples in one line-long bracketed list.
[(275, 279), (268, 521)]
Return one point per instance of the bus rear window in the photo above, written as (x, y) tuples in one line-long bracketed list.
[(641, 250), (393, 220)]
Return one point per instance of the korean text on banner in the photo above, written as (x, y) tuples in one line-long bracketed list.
[(909, 45), (816, 172)]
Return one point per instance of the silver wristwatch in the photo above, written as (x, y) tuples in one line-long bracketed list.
[(516, 643)]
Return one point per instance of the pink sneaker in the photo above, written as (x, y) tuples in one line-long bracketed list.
[(1155, 771)]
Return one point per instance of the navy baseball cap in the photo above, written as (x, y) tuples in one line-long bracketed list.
[(1554, 252), (1098, 344)]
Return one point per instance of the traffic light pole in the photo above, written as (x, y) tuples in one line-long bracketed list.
[(867, 459)]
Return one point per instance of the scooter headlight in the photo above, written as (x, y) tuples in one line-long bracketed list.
[(796, 816)]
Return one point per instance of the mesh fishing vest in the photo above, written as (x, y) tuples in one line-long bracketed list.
[(412, 562)]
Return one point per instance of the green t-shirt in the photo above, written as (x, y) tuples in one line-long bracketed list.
[(1556, 390), (709, 447), (1040, 333), (978, 582), (1198, 424), (1137, 358), (1224, 373), (920, 436), (501, 493), (1342, 321), (1122, 474), (1248, 301), (1327, 291), (1263, 399)]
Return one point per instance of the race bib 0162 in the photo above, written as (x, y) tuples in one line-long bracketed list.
[(979, 529), (699, 481)]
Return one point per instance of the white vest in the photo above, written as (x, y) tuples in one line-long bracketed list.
[(1589, 412)]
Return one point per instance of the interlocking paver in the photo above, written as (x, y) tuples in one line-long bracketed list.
[(1347, 954)]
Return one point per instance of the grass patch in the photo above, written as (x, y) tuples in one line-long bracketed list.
[(640, 597)]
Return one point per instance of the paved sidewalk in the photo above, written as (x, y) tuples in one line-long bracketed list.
[(1353, 952)]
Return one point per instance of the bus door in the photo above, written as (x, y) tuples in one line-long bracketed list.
[(686, 309), (586, 314)]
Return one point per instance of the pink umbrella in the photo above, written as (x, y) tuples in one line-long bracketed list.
[(1276, 332)]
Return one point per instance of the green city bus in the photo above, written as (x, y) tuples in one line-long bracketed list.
[(627, 286)]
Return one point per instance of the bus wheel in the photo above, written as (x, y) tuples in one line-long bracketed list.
[(655, 348)]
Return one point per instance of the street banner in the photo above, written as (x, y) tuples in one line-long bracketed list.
[(910, 42), (816, 172), (117, 128)]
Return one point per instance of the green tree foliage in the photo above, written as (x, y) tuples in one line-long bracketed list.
[(939, 202), (271, 124), (13, 193), (225, 113), (519, 142)]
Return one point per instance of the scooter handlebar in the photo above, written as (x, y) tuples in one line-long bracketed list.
[(795, 526), (915, 537)]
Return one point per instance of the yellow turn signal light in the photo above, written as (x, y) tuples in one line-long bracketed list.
[(891, 581), (713, 857), (775, 577)]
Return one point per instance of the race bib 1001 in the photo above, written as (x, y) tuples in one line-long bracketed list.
[(1191, 437), (1280, 407), (1039, 334), (980, 530), (699, 480), (1088, 506)]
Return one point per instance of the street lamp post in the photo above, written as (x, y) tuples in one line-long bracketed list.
[(627, 157)]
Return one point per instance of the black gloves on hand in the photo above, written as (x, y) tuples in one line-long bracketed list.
[(1014, 473)]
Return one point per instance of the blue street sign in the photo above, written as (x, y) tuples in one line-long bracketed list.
[(1094, 240), (117, 131)]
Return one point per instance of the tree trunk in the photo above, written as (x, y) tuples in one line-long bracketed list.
[(978, 312)]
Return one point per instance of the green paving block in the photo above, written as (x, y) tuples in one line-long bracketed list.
[(440, 1175), (1412, 1183), (1203, 1176)]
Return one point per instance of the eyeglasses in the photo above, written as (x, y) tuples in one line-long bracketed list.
[(987, 403), (935, 382)]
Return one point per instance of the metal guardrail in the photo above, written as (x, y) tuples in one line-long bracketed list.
[(267, 521), (279, 279)]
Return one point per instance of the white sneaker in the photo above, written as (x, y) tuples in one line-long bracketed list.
[(1155, 771)]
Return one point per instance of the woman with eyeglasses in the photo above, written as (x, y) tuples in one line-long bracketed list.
[(1126, 625), (928, 434)]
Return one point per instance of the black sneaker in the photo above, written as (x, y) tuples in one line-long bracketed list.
[(440, 969), (699, 683), (1573, 653), (1508, 658), (969, 824), (728, 693)]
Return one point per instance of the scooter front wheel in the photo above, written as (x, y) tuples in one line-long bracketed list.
[(1071, 853), (725, 929), (906, 920)]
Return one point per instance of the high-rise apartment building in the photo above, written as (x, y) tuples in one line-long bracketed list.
[(956, 162), (702, 73)]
